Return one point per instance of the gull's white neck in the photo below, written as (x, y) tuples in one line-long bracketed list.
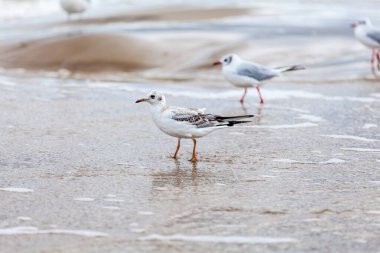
[(158, 107)]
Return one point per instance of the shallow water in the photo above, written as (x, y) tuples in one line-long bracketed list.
[(253, 186)]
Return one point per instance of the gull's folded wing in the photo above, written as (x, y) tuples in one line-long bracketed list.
[(256, 71)]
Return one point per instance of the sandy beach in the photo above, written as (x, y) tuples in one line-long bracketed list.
[(84, 168)]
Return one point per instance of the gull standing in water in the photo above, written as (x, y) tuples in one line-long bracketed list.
[(186, 123), (369, 36), (245, 74), (74, 6)]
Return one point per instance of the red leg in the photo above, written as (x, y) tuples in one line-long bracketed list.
[(373, 58), (261, 98), (242, 98)]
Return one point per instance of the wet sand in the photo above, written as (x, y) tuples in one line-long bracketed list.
[(96, 162), (84, 169)]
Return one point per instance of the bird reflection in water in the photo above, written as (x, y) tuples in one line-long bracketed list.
[(180, 177)]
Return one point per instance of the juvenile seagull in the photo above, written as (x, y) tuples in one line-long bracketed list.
[(246, 74), (368, 35), (186, 123), (74, 6)]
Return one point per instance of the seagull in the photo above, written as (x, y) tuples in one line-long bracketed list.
[(186, 123), (74, 6), (368, 35), (246, 74)]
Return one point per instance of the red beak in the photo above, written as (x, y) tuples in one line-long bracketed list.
[(353, 25), (216, 63)]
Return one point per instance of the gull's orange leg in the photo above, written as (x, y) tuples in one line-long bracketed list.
[(176, 151), (194, 157), (261, 98), (242, 98)]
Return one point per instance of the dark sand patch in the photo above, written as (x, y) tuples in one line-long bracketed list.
[(85, 52), (117, 53)]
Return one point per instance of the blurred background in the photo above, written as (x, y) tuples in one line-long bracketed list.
[(178, 40)]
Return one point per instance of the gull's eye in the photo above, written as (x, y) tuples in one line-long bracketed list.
[(226, 60), (152, 96)]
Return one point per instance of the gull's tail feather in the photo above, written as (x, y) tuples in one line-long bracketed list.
[(232, 120), (232, 123), (290, 68)]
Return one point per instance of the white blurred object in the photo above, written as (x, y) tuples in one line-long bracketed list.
[(369, 36), (75, 6)]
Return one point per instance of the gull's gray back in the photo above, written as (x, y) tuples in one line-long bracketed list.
[(255, 71), (375, 36)]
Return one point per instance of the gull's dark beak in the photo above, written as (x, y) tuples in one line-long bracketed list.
[(353, 25), (216, 63), (140, 100)]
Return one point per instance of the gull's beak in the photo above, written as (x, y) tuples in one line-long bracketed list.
[(353, 25), (141, 100), (216, 63)]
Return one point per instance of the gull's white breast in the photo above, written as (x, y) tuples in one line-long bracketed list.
[(74, 6), (180, 129), (230, 74), (361, 35)]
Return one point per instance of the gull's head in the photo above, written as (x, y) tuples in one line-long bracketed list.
[(227, 60), (153, 98), (361, 23)]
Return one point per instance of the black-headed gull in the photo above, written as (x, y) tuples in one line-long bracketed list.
[(74, 6), (186, 123), (369, 36), (246, 74)]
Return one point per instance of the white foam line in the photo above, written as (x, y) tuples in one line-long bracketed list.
[(362, 149), (219, 239), (286, 161), (7, 83), (350, 137), (145, 213), (311, 118), (14, 189), (232, 94), (114, 200), (333, 161), (34, 230), (290, 161), (84, 199), (24, 218), (111, 207), (368, 126), (299, 125)]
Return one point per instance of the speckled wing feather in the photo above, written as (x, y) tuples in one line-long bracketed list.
[(197, 119)]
